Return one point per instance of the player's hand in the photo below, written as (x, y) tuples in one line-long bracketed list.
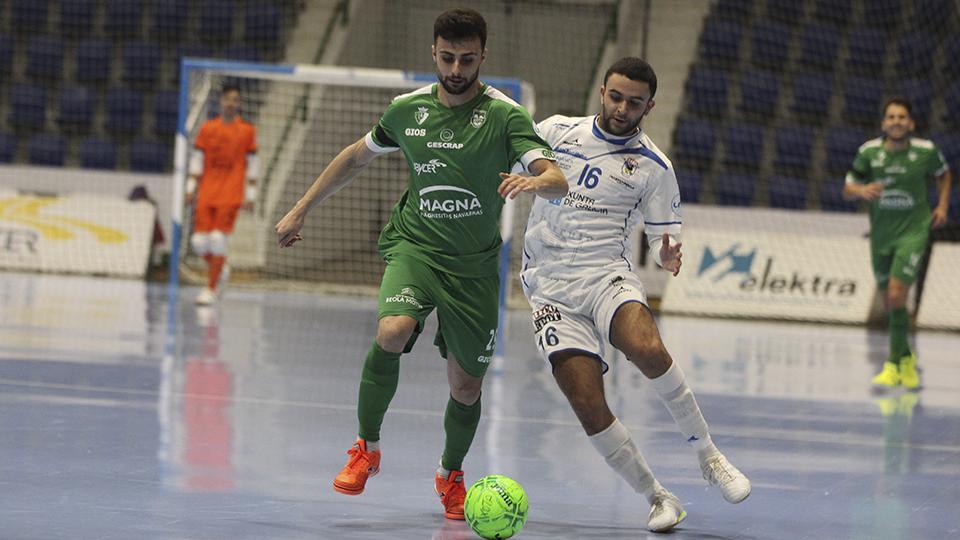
[(670, 255), (515, 184), (871, 191), (288, 229), (939, 217)]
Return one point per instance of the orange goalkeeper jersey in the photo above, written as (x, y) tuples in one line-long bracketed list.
[(225, 146)]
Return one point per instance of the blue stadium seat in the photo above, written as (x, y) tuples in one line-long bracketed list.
[(76, 17), (835, 12), (811, 97), (920, 94), (691, 184), (952, 101), (262, 23), (47, 149), (743, 146), (831, 196), (949, 144), (793, 149), (124, 18), (734, 189), (242, 52), (785, 11), (165, 110), (737, 10), (759, 92), (29, 16), (141, 64), (216, 21), (819, 46), (951, 47), (771, 43), (148, 156), (76, 109), (6, 55), (695, 143), (170, 20), (707, 89), (862, 99), (720, 41), (932, 15), (882, 13), (8, 147), (867, 50), (28, 106), (124, 110), (842, 144), (788, 192), (45, 57), (94, 58), (915, 54), (98, 153)]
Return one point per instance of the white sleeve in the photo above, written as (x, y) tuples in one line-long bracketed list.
[(547, 129), (196, 163), (660, 207), (253, 166)]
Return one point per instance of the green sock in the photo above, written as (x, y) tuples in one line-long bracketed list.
[(378, 384), (898, 322), (460, 424)]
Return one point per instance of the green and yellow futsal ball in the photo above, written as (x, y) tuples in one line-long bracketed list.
[(496, 507)]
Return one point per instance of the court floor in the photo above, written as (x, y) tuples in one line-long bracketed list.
[(231, 424)]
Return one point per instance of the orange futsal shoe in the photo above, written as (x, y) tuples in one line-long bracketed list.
[(452, 494), (362, 465)]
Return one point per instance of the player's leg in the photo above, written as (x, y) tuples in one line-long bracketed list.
[(224, 219), (881, 259), (903, 273), (200, 242), (634, 332), (580, 378), (466, 337), (402, 308)]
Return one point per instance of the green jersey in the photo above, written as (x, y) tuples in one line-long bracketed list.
[(903, 209), (449, 215)]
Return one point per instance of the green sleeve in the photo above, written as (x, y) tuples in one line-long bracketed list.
[(860, 170), (525, 146), (383, 133), (938, 164)]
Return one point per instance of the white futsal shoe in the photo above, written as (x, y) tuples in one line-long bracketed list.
[(666, 512), (733, 484), (206, 297)]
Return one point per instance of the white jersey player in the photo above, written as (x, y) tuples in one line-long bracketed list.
[(586, 300)]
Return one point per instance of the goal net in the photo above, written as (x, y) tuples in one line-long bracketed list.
[(304, 115)]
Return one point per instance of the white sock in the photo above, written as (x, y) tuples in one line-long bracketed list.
[(617, 448), (373, 446), (680, 401), (444, 473)]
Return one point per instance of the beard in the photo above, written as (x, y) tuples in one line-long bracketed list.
[(630, 127), (459, 88)]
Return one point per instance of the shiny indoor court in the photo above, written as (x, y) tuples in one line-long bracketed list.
[(231, 422)]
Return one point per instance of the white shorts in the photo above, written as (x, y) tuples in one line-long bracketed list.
[(576, 315)]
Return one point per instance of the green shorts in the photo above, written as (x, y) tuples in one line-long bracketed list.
[(467, 308), (901, 260)]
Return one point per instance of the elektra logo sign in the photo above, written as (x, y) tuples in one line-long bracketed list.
[(449, 202), (769, 278)]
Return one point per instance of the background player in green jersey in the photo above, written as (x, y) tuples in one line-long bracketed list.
[(891, 172), (459, 138)]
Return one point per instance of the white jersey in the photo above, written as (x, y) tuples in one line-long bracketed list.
[(615, 183)]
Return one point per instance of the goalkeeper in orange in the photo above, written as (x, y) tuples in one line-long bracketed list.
[(223, 178)]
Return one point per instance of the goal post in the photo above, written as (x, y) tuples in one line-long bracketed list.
[(305, 114)]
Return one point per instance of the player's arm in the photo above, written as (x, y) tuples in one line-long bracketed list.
[(337, 174), (547, 181), (855, 184), (660, 208), (943, 205)]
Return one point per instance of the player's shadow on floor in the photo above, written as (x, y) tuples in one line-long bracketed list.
[(459, 530)]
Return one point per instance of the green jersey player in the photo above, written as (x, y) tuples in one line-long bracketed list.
[(459, 137), (891, 172)]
